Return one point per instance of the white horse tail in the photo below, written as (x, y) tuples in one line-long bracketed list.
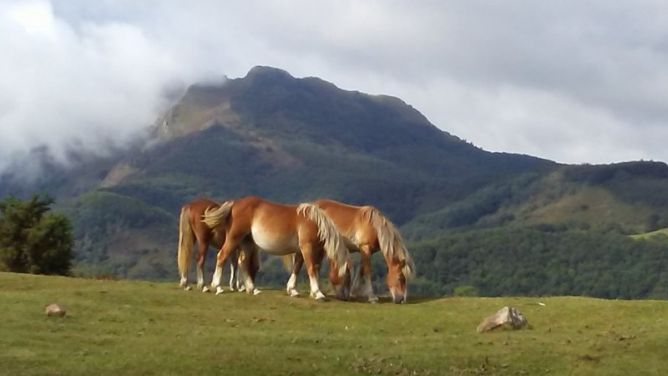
[(186, 240), (389, 239), (334, 246), (214, 217)]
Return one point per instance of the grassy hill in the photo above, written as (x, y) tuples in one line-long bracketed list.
[(661, 233), (133, 328)]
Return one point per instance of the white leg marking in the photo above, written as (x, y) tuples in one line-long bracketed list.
[(292, 285), (200, 277), (369, 289), (219, 290), (249, 285), (184, 282), (315, 289), (241, 275), (217, 276), (232, 273)]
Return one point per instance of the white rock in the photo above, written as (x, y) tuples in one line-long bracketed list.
[(506, 317), (55, 310)]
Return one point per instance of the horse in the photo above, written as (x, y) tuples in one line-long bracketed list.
[(366, 230), (280, 229), (193, 230)]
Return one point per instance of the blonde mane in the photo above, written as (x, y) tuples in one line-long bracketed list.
[(214, 217), (333, 244), (389, 239)]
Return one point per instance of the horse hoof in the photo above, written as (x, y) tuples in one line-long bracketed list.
[(294, 293), (373, 300), (205, 289), (219, 290), (256, 291), (188, 288), (320, 297)]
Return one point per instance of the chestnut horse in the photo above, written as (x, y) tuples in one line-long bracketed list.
[(280, 230), (366, 230), (193, 230)]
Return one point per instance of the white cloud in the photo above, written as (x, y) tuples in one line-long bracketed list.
[(62, 87), (570, 81)]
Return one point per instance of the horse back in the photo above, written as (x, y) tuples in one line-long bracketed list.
[(273, 226), (352, 221), (253, 211)]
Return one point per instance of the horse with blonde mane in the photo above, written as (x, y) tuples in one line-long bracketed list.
[(280, 230), (193, 230), (366, 230)]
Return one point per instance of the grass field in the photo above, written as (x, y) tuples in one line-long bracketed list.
[(127, 328)]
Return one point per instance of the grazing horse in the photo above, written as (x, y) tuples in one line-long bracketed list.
[(193, 230), (280, 230), (366, 230)]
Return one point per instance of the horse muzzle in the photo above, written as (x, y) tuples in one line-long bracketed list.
[(398, 298)]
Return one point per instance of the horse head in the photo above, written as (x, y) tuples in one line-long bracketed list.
[(340, 284), (398, 272)]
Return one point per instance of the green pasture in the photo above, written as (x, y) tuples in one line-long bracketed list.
[(144, 328)]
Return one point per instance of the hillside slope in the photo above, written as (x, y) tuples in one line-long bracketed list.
[(625, 198)]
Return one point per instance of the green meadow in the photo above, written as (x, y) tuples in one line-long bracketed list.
[(144, 328)]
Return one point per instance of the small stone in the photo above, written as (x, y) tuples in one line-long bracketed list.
[(54, 310), (506, 317)]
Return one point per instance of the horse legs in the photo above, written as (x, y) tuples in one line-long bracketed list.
[(245, 258), (312, 268), (297, 263), (231, 243), (234, 271), (202, 246), (365, 271)]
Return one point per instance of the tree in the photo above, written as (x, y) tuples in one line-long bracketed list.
[(33, 239)]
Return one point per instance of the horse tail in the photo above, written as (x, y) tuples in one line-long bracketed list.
[(389, 239), (288, 262), (186, 240), (216, 216), (334, 246)]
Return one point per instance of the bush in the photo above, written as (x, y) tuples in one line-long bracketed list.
[(32, 239), (465, 290)]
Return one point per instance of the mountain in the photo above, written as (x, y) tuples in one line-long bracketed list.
[(296, 139), (627, 198)]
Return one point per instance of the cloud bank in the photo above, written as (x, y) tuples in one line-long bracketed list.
[(569, 81)]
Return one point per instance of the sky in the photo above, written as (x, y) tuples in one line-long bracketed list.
[(570, 81)]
